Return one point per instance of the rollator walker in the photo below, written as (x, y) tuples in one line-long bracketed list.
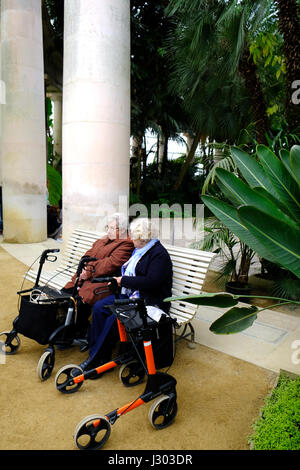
[(133, 323), (48, 316)]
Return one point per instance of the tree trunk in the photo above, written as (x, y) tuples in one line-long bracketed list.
[(247, 69), (144, 161), (189, 142), (289, 27), (137, 154), (165, 155), (160, 151), (188, 161), (163, 152)]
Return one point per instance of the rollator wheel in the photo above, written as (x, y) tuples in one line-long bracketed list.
[(9, 345), (132, 373), (45, 365), (92, 432), (64, 379), (162, 412)]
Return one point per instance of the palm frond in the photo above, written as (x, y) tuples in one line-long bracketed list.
[(226, 163)]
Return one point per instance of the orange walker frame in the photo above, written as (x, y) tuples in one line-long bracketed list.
[(160, 387)]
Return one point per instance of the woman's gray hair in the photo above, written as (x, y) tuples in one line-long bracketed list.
[(142, 229), (121, 221)]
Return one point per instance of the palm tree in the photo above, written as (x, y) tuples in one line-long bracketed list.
[(152, 106), (215, 36)]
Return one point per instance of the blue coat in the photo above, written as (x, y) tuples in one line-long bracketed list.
[(153, 277), (154, 282)]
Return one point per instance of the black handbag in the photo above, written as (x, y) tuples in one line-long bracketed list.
[(161, 334)]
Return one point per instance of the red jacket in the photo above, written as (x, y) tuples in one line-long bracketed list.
[(111, 255)]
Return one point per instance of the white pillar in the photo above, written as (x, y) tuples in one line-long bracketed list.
[(23, 123), (2, 101), (96, 111)]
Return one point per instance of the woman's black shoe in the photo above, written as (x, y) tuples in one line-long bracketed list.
[(84, 366)]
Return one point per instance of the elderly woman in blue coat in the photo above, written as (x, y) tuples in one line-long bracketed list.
[(147, 275)]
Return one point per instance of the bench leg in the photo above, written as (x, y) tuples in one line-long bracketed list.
[(191, 342)]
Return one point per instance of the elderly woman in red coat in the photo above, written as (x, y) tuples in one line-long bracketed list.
[(111, 251)]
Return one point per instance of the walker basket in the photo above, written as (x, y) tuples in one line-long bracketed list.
[(38, 320), (161, 334)]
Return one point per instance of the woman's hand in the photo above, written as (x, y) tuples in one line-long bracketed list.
[(84, 275), (118, 279)]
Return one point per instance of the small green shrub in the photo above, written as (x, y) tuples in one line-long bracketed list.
[(278, 428)]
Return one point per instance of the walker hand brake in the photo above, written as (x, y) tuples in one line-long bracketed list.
[(113, 284)]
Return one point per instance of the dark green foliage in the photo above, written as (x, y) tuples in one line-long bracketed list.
[(278, 428), (156, 190), (55, 9), (151, 103)]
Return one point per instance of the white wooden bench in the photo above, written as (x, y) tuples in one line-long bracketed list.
[(189, 271), (79, 242)]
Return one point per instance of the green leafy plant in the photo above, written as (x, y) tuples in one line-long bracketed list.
[(264, 214), (278, 427), (265, 210), (54, 180), (236, 255)]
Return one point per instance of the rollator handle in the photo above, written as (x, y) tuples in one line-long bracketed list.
[(47, 252), (103, 279), (43, 258), (139, 302), (120, 302), (87, 259), (84, 260), (112, 288)]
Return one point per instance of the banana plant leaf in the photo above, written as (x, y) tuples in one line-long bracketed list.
[(251, 170), (249, 196), (282, 240), (229, 217), (237, 319), (285, 158), (272, 198), (295, 161), (221, 300), (286, 187)]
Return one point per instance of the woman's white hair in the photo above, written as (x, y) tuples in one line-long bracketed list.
[(121, 221), (142, 229)]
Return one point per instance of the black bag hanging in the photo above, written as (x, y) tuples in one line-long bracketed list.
[(161, 334), (37, 320)]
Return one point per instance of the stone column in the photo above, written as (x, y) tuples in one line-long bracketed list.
[(96, 111), (2, 102), (23, 123)]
